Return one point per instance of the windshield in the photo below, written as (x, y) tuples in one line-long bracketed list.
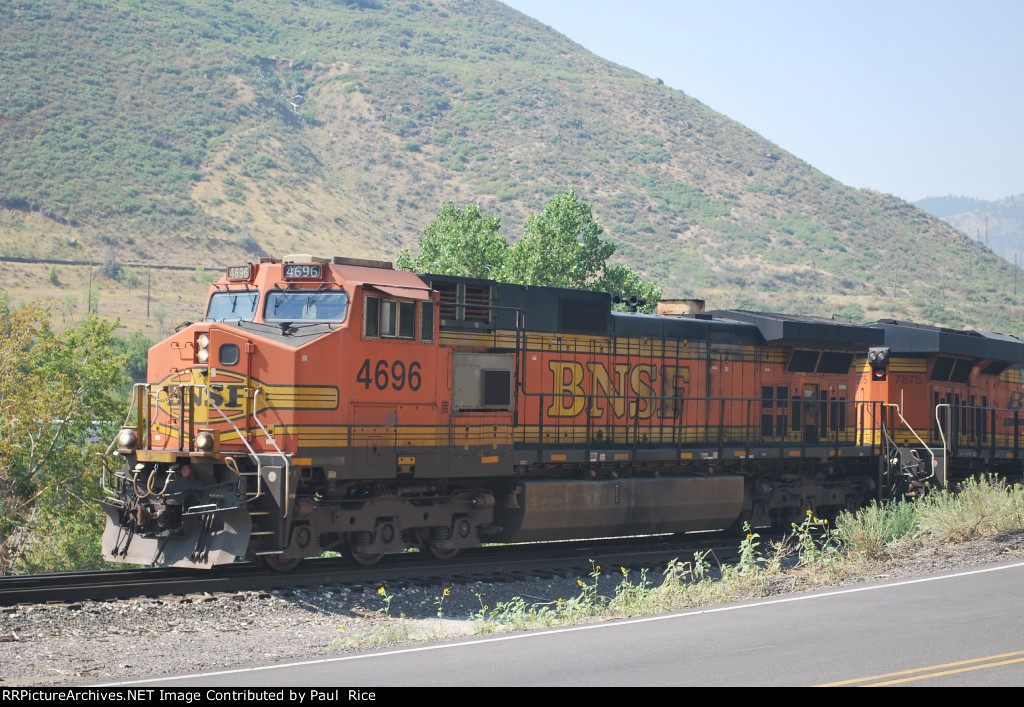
[(233, 305), (306, 305)]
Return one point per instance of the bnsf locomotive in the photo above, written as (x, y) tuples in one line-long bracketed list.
[(342, 405)]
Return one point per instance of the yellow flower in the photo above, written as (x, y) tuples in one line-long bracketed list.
[(447, 592), (599, 567), (559, 600), (750, 536), (825, 521), (579, 582), (381, 591), (808, 512), (624, 570)]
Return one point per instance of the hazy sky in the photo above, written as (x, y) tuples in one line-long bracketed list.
[(911, 97)]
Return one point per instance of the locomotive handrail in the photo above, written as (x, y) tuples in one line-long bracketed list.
[(928, 449), (287, 465), (252, 452), (134, 407), (721, 423), (942, 436)]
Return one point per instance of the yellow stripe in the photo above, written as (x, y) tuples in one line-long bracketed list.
[(908, 365), (961, 665), (647, 347)]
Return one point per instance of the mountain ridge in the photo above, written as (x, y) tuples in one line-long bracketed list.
[(200, 133), (998, 224)]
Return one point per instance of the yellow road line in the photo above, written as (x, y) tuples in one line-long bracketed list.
[(967, 663)]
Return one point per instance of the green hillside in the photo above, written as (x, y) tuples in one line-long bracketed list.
[(194, 133)]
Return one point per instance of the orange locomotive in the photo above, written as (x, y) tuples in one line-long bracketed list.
[(340, 404)]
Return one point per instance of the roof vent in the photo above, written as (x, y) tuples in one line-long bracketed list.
[(304, 258), (679, 307)]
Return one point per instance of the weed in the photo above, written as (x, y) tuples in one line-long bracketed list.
[(985, 505), (439, 602), (386, 609), (872, 529), (750, 556)]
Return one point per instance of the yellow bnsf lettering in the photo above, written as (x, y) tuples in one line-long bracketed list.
[(603, 382), (634, 388), (1016, 399), (227, 396), (567, 386), (673, 385), (641, 380)]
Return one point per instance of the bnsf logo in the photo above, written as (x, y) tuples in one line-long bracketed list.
[(224, 396), (641, 389), (1016, 400), (230, 397)]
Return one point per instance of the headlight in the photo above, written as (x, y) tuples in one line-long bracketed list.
[(205, 441), (127, 438), (203, 347)]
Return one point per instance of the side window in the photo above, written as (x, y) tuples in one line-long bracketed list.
[(407, 320), (389, 318), (427, 321), (371, 317)]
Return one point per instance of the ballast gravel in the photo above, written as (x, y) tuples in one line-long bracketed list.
[(100, 641)]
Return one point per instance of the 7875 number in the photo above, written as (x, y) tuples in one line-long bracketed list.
[(394, 373)]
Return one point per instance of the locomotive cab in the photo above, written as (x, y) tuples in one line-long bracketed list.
[(301, 414)]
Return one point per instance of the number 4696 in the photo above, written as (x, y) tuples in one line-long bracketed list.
[(394, 373)]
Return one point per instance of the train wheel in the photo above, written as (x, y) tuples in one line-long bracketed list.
[(439, 554), (361, 558), (274, 562), (423, 539), (278, 564)]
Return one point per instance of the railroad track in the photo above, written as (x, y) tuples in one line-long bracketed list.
[(495, 563)]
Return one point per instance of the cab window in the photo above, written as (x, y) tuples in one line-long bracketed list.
[(239, 305), (306, 306)]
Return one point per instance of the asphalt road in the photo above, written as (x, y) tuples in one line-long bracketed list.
[(963, 628)]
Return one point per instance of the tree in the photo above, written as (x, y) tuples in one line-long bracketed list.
[(562, 247), (56, 399), (463, 242)]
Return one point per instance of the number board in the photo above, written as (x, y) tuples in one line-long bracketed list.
[(294, 271), (239, 272)]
